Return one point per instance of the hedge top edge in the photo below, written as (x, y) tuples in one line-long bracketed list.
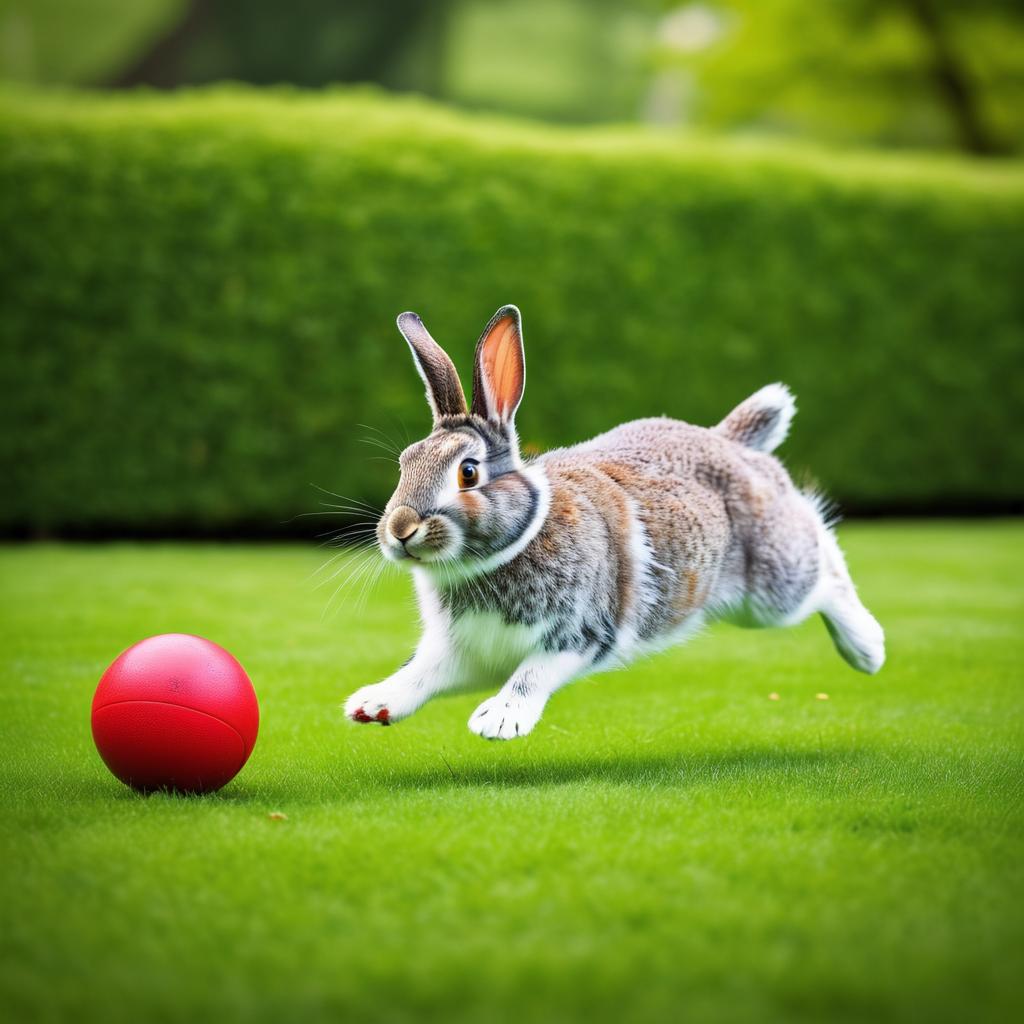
[(337, 118)]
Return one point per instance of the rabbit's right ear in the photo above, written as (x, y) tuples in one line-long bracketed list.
[(444, 389), (499, 371)]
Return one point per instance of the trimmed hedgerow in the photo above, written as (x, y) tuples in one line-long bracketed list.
[(199, 292)]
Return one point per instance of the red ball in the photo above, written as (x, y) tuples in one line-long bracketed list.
[(175, 712)]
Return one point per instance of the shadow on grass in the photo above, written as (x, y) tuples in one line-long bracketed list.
[(840, 770), (671, 768), (680, 770)]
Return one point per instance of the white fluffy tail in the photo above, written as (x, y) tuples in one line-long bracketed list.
[(762, 421)]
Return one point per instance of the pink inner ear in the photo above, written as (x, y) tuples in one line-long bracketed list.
[(503, 366)]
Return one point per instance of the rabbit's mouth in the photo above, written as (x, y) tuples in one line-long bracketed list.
[(405, 536), (401, 553)]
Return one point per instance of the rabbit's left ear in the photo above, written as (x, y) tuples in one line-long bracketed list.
[(499, 371), (444, 392)]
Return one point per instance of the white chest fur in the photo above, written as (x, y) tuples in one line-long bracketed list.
[(484, 647), (490, 646)]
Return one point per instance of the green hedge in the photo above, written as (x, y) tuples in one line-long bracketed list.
[(199, 293)]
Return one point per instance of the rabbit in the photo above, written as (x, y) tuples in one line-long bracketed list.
[(530, 573)]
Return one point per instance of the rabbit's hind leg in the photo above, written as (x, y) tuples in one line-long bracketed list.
[(800, 549), (773, 575), (854, 630), (793, 568)]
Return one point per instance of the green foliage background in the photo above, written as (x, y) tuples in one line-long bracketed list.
[(199, 292), (860, 71), (856, 70)]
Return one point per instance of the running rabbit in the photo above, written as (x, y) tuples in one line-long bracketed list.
[(533, 572)]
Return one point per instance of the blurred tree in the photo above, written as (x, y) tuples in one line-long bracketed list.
[(953, 80), (567, 60), (574, 60), (306, 42), (77, 41), (905, 72)]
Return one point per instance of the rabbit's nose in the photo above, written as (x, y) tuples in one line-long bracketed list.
[(404, 522)]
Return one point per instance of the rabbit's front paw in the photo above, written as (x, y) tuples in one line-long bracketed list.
[(504, 718), (382, 702)]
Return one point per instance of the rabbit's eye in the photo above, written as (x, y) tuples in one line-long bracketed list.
[(469, 475)]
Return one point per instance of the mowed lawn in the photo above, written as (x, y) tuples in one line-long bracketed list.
[(669, 844)]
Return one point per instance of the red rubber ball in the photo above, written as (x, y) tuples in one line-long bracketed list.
[(175, 712)]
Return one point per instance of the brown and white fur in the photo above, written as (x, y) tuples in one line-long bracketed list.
[(535, 572)]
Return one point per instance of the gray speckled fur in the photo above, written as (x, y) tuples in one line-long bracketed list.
[(729, 532)]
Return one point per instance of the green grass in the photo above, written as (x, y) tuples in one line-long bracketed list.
[(669, 844)]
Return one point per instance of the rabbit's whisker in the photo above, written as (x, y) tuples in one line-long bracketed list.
[(365, 567), (355, 570), (347, 498), (350, 551), (377, 443), (386, 438)]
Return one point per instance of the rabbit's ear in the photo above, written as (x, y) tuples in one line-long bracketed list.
[(499, 372), (444, 390)]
